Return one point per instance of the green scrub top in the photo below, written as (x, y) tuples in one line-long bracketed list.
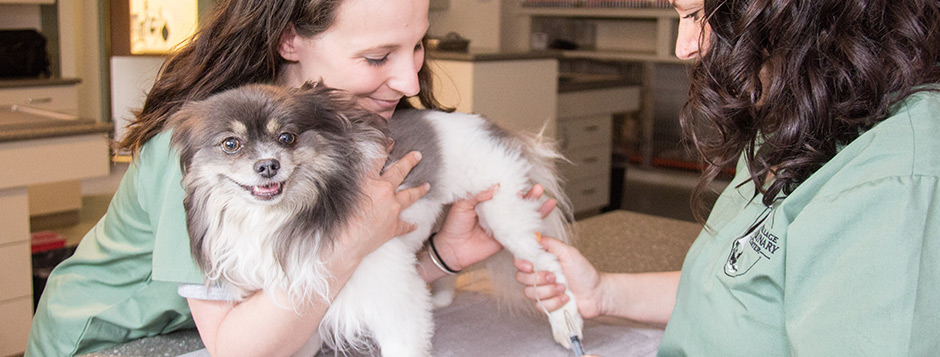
[(848, 264), (121, 284)]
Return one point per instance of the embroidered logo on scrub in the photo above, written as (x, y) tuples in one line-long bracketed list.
[(755, 244)]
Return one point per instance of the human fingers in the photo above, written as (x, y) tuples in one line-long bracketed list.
[(397, 172), (556, 247), (409, 196), (547, 207), (522, 265), (535, 278), (550, 297), (535, 192), (467, 204)]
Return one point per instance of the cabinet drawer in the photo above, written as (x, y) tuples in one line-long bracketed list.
[(586, 162), (16, 315), (589, 194), (16, 273), (600, 101), (14, 227), (588, 131), (63, 99)]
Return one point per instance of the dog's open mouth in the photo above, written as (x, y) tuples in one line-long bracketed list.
[(265, 192)]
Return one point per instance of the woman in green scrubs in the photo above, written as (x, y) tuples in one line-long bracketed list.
[(827, 240), (122, 283)]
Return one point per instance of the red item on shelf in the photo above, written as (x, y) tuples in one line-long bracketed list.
[(46, 240)]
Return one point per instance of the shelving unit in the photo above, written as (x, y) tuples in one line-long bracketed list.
[(28, 2), (640, 35)]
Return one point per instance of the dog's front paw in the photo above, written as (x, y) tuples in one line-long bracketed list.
[(442, 298), (443, 291), (561, 328)]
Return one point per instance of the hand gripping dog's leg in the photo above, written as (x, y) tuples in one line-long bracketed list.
[(514, 222)]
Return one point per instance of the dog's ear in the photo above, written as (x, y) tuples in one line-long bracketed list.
[(319, 102)]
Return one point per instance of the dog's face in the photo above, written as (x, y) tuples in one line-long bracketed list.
[(283, 166), (269, 145), (245, 144)]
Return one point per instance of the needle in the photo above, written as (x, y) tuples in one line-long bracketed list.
[(575, 341)]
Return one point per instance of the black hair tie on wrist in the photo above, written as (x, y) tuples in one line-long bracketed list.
[(436, 257)]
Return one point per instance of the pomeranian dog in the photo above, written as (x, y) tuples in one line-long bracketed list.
[(273, 174)]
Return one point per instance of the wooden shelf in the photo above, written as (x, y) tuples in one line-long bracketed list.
[(27, 2), (623, 56), (615, 13)]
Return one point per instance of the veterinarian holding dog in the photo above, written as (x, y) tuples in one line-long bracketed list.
[(122, 282), (827, 240)]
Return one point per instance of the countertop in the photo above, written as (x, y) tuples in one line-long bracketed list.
[(619, 241), (23, 123), (567, 82), (491, 55), (37, 82), (52, 129)]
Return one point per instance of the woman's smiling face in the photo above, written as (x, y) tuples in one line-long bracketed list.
[(373, 50)]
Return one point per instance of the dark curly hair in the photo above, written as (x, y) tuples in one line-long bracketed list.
[(786, 83)]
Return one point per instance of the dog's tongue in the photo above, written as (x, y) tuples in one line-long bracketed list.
[(266, 190)]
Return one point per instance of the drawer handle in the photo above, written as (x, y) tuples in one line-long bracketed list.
[(591, 160), (591, 128), (589, 191), (45, 100)]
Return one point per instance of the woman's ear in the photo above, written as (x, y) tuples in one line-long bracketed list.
[(287, 47)]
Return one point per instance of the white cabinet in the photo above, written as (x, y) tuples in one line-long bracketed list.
[(53, 159), (518, 92), (637, 35), (60, 198), (584, 132), (47, 181)]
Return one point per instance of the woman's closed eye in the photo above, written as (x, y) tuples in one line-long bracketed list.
[(377, 60), (696, 15)]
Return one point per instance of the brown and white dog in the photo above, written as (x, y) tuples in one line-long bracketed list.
[(271, 174)]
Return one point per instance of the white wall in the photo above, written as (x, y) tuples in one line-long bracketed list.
[(131, 79), (79, 54)]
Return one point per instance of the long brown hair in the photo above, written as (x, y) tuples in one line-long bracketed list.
[(237, 44), (786, 83)]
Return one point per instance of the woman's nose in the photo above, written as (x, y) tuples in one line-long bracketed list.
[(404, 77), (687, 43)]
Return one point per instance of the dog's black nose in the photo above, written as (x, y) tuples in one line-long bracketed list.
[(267, 168)]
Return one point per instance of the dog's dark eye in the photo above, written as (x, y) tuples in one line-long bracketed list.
[(231, 145), (287, 138)]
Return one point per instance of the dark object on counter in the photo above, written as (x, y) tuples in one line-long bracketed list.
[(560, 44), (451, 42), (24, 54), (43, 263)]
